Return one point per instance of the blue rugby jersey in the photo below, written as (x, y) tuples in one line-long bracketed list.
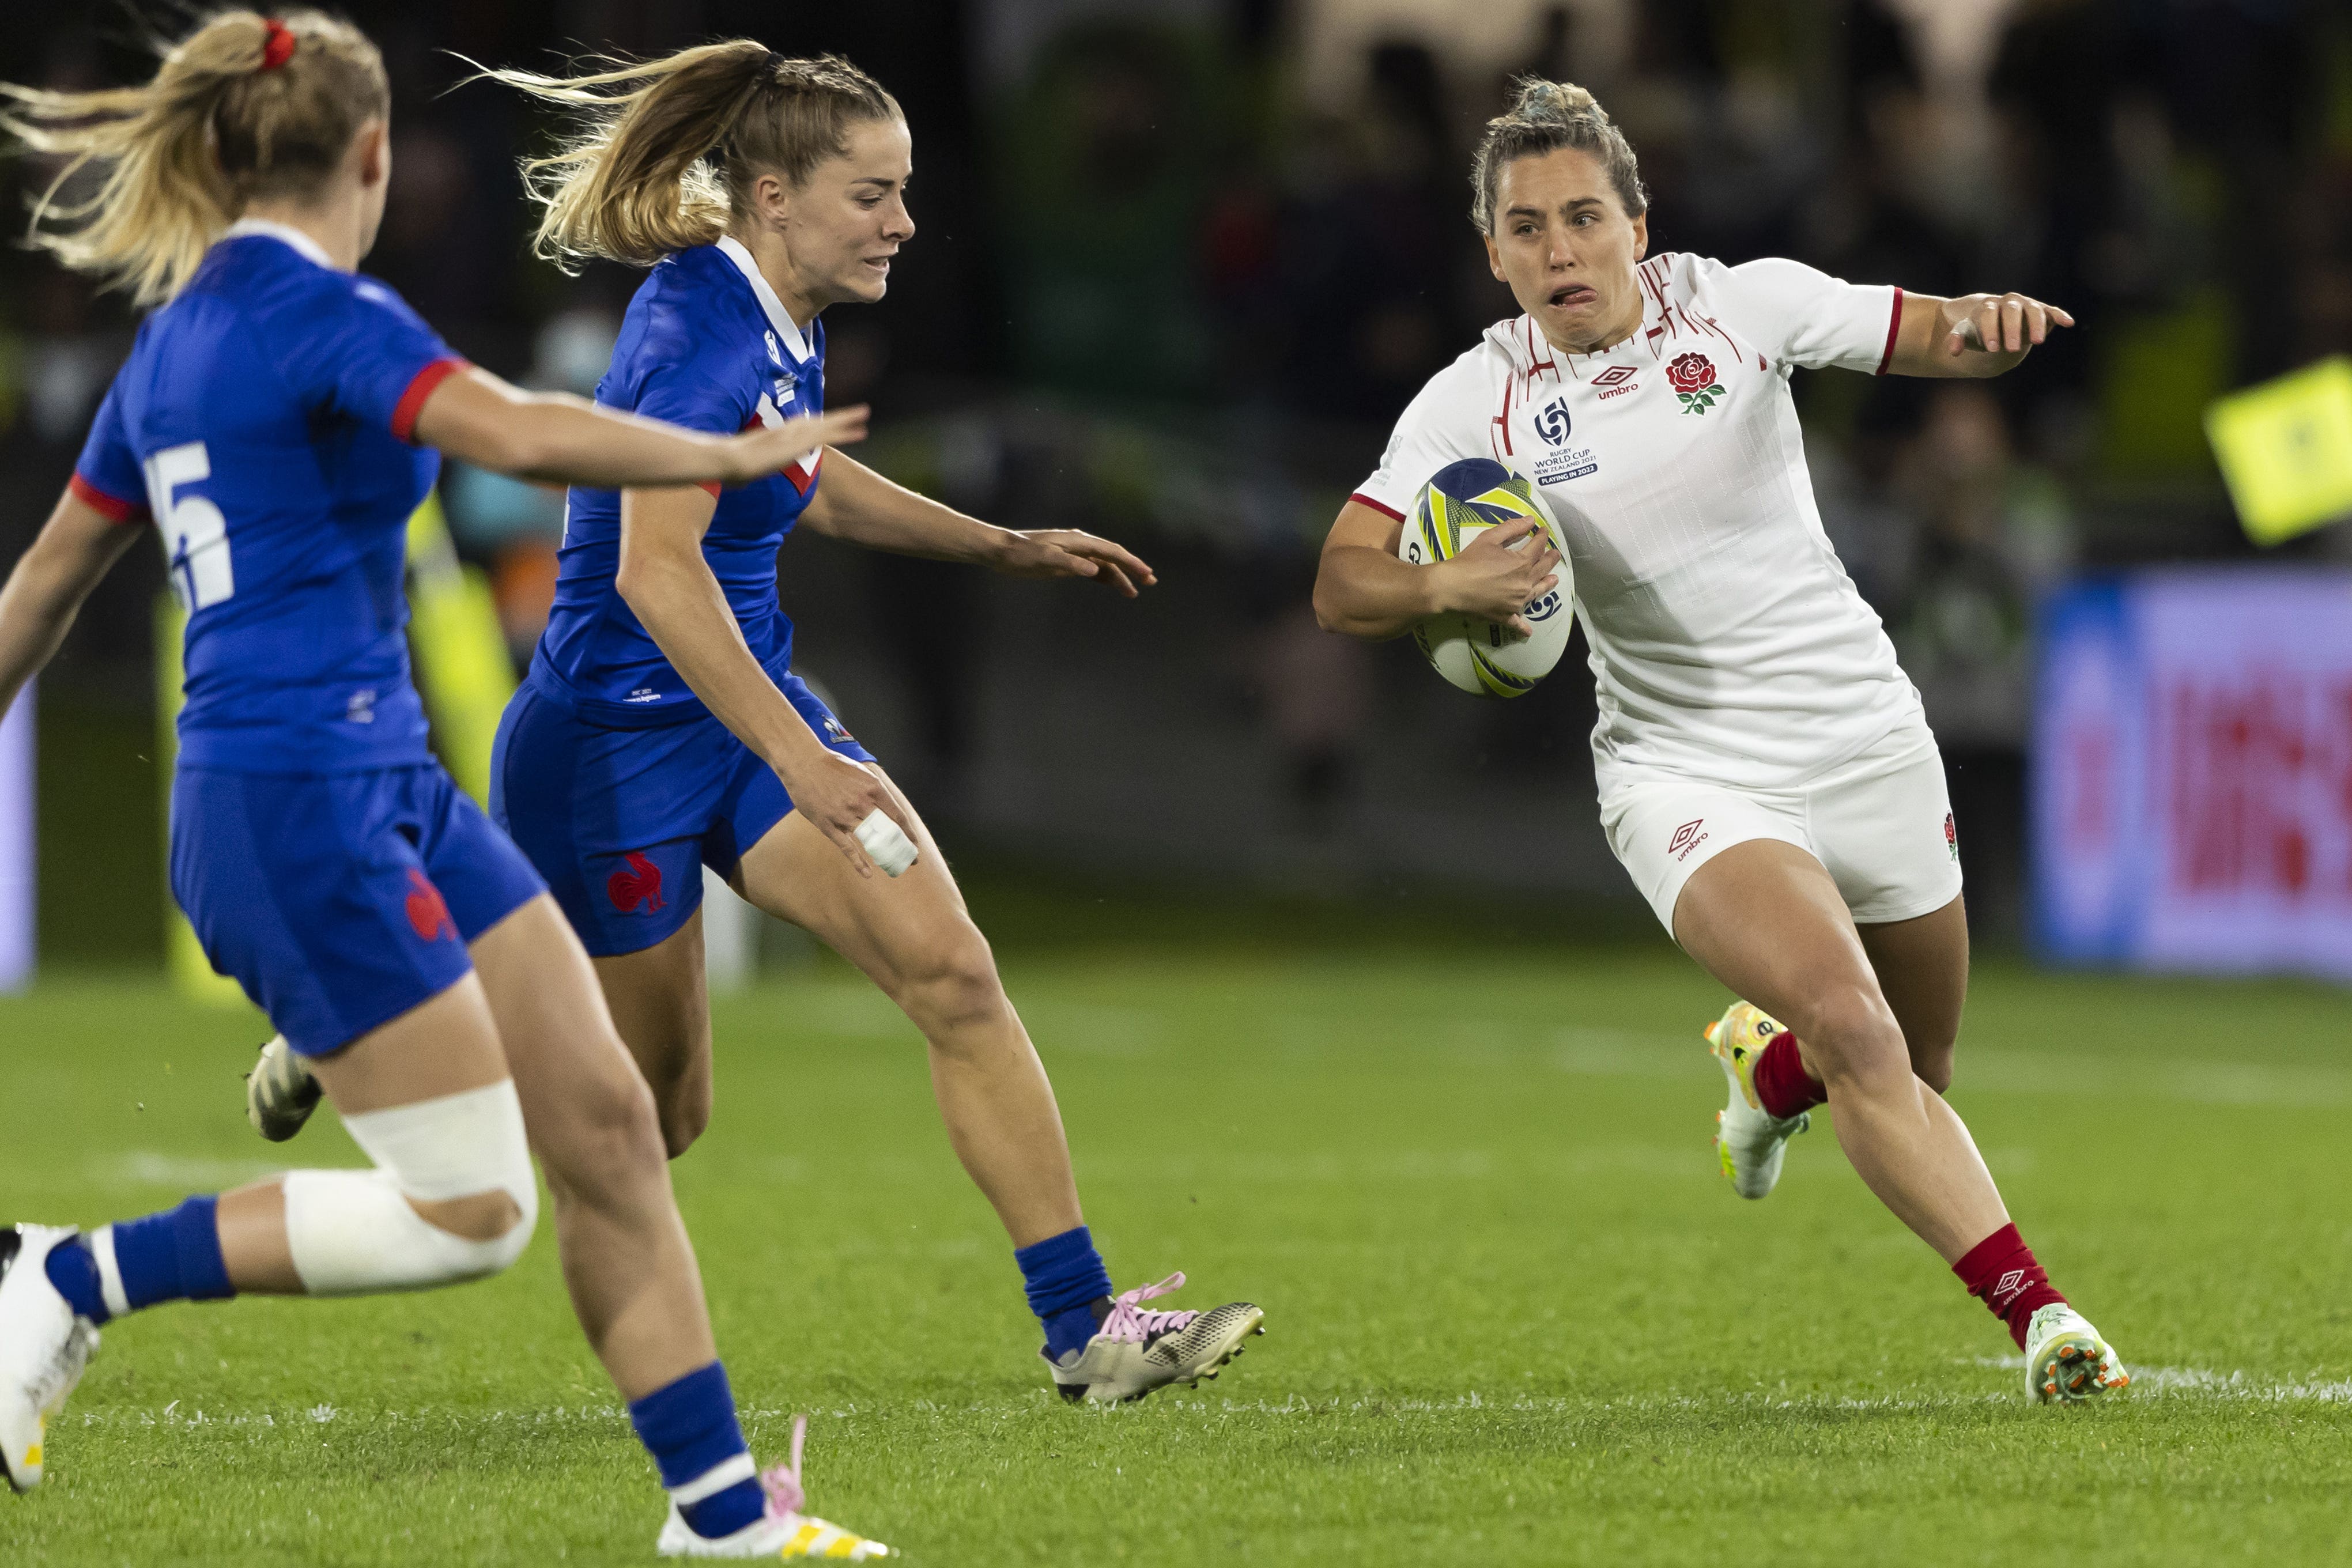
[(705, 344), (263, 420)]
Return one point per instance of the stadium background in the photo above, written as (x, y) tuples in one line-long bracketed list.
[(1180, 262), (1346, 1006)]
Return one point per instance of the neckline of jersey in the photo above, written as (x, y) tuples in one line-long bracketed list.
[(302, 245), (736, 251), (1520, 336)]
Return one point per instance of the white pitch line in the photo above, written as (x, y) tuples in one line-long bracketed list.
[(2154, 1382)]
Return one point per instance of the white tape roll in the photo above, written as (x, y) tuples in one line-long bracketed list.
[(886, 843)]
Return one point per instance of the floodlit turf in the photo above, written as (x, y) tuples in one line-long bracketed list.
[(1516, 1317)]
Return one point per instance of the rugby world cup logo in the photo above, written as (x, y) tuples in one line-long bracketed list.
[(1692, 376), (1552, 423)]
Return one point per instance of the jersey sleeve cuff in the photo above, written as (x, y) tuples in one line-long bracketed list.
[(1894, 326), (1381, 506), (114, 508), (412, 402)]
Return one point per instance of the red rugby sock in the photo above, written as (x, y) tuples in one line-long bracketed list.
[(1783, 1087), (1999, 1271)]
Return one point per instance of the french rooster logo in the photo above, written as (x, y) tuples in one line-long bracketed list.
[(428, 913), (640, 884)]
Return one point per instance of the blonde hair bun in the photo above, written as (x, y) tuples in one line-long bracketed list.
[(1556, 102)]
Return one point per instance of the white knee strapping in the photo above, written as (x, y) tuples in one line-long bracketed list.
[(353, 1233)]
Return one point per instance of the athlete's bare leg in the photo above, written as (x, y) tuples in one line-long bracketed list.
[(446, 1045), (1764, 918), (631, 1271), (661, 1004), (1923, 967), (531, 1007), (914, 937)]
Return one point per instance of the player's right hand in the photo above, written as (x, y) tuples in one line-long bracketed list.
[(756, 454), (1493, 581), (836, 794)]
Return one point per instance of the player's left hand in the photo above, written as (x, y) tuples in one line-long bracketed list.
[(1997, 324), (1069, 552)]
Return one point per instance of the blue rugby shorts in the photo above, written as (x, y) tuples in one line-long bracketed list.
[(340, 901), (621, 819)]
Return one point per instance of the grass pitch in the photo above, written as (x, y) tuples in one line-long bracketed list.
[(1515, 1315)]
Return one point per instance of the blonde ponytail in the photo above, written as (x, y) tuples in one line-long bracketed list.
[(666, 160), (180, 156), (1544, 117)]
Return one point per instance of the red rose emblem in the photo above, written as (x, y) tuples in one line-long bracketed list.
[(1690, 372)]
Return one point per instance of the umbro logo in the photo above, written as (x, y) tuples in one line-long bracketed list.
[(1613, 375), (1687, 837), (2008, 1285)]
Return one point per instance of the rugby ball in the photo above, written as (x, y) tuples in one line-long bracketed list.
[(1461, 501)]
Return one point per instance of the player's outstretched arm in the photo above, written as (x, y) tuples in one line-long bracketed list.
[(565, 440), (857, 505), (1362, 590), (1974, 335), (75, 548), (664, 577)]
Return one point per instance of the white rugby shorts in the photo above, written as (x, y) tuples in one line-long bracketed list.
[(1880, 823)]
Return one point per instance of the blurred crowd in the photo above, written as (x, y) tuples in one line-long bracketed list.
[(1168, 289)]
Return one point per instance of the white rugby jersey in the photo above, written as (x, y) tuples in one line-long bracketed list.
[(1727, 641)]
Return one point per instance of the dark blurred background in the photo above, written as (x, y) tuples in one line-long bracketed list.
[(1182, 262)]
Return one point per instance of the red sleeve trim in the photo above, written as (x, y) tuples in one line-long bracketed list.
[(1893, 325), (710, 485), (114, 508), (412, 402), (1381, 506)]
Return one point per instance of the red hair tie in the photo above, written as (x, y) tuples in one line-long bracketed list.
[(277, 44)]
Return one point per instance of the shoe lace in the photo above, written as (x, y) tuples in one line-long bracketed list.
[(1128, 1322), (786, 1496)]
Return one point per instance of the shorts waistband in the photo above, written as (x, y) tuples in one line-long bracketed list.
[(542, 681)]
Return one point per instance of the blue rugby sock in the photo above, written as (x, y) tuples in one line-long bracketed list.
[(74, 1272), (174, 1256), (689, 1427), (1066, 1279)]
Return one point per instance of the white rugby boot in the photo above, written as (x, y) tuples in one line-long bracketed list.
[(783, 1531), (1749, 1140), (1134, 1351), (279, 1093), (2066, 1362), (44, 1346)]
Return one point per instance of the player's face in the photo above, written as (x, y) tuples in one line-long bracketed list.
[(1563, 242), (849, 218)]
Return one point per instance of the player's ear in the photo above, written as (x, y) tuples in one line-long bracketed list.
[(371, 154), (1494, 259), (771, 200), (1641, 235)]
